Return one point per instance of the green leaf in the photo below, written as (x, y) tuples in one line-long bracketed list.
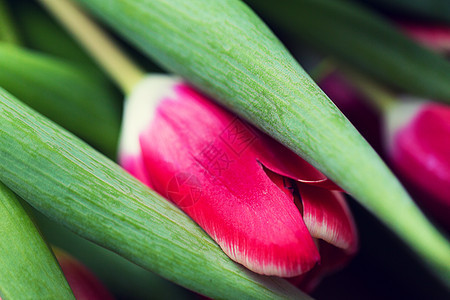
[(224, 49), (363, 40), (8, 32), (69, 95), (76, 186), (109, 267), (27, 266), (39, 32)]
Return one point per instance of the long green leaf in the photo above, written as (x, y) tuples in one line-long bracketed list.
[(27, 266), (65, 93), (364, 40), (78, 187), (225, 50)]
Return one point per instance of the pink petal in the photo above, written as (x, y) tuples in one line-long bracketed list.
[(134, 164), (204, 160), (138, 113), (332, 258), (283, 161), (436, 37), (327, 217), (420, 153)]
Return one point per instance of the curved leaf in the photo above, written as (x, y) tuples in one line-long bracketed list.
[(27, 266), (65, 93)]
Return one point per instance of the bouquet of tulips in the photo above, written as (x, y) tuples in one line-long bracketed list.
[(234, 172)]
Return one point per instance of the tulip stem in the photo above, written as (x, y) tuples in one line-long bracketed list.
[(97, 43)]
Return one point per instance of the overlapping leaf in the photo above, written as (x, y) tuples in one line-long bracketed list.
[(27, 266), (67, 94)]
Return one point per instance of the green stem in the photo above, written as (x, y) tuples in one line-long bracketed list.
[(27, 266), (101, 47)]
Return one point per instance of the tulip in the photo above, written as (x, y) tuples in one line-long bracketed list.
[(84, 285), (435, 37), (416, 143), (265, 206), (419, 149)]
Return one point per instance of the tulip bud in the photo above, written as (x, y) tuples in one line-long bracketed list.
[(418, 135), (265, 206)]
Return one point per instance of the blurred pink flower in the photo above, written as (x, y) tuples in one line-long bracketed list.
[(419, 149), (264, 205), (417, 143), (435, 37)]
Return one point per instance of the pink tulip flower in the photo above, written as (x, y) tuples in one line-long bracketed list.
[(435, 37), (419, 149), (417, 143), (267, 208)]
